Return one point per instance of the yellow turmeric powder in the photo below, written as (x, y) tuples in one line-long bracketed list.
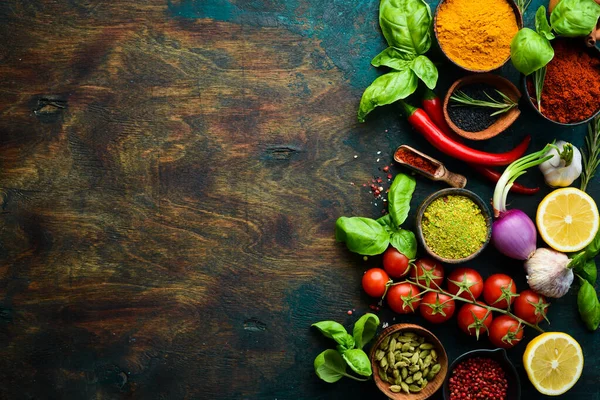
[(476, 34)]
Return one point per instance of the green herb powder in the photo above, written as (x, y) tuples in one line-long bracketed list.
[(454, 227)]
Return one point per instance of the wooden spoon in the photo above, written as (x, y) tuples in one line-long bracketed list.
[(440, 174)]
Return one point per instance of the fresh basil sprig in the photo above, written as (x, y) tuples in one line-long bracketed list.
[(406, 25), (575, 17), (330, 365), (370, 237), (588, 305)]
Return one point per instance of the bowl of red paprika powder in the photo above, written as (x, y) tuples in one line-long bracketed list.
[(487, 372), (571, 91)]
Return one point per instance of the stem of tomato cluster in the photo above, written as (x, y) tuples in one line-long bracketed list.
[(455, 297)]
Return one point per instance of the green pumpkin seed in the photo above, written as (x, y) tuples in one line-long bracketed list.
[(385, 343), (405, 388), (414, 388), (424, 353), (379, 354), (434, 354), (383, 363), (426, 371), (415, 358), (435, 369), (396, 388), (417, 376), (391, 358), (383, 375), (409, 380), (426, 346), (404, 372)]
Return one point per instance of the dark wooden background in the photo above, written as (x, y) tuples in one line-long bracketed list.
[(170, 175)]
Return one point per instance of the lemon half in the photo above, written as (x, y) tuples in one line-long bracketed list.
[(567, 219), (554, 362)]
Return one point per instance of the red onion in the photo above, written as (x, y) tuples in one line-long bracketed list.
[(514, 234)]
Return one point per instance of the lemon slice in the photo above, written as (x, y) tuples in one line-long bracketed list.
[(553, 362), (567, 219)]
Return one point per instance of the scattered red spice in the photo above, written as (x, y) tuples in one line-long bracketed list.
[(416, 160), (386, 168), (349, 312), (572, 86), (478, 378)]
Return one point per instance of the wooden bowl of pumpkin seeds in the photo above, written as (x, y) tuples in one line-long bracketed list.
[(408, 362)]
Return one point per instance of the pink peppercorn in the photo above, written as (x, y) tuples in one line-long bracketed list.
[(478, 378)]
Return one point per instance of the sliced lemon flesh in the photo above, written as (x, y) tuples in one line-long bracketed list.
[(567, 219), (554, 362)]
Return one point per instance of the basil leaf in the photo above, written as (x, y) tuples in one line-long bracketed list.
[(364, 329), (406, 24), (358, 362), (387, 89), (541, 24), (392, 58), (530, 51), (345, 342), (588, 271), (425, 70), (593, 248), (330, 328), (362, 235), (330, 366), (575, 17), (588, 305), (399, 197), (405, 242), (387, 223)]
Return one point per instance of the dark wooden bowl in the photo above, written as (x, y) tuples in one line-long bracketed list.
[(531, 96), (514, 384), (432, 386), (504, 120), (457, 192), (518, 16)]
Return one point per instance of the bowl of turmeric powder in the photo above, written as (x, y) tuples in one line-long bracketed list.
[(476, 35)]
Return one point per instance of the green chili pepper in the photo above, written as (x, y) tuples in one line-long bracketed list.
[(588, 304)]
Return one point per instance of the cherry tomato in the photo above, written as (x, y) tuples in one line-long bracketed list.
[(473, 319), (404, 298), (436, 307), (505, 332), (461, 280), (499, 290), (428, 272), (374, 281), (531, 307), (395, 263)]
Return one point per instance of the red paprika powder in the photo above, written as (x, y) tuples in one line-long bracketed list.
[(416, 160), (572, 86)]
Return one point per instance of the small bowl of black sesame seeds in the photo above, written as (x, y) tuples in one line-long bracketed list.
[(479, 107)]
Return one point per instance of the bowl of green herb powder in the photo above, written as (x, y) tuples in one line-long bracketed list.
[(454, 225)]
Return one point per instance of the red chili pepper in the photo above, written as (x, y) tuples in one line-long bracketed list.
[(494, 176), (438, 139), (434, 108)]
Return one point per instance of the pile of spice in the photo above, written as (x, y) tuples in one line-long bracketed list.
[(478, 378), (416, 160), (571, 90), (454, 227), (407, 362), (472, 118), (476, 34)]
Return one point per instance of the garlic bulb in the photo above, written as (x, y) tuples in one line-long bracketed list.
[(562, 169), (547, 273)]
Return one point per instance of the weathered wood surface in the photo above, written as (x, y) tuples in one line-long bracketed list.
[(170, 174)]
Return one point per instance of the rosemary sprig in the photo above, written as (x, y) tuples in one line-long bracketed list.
[(591, 154), (538, 80), (522, 5), (503, 106)]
